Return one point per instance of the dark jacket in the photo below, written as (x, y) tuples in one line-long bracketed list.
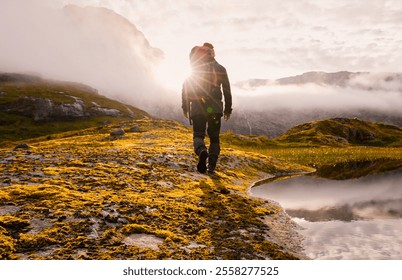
[(210, 102)]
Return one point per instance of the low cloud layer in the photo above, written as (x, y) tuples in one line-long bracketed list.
[(381, 92)]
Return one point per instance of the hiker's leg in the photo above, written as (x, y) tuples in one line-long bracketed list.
[(199, 127), (214, 126)]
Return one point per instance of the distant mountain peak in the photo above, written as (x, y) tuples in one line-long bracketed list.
[(361, 80), (317, 77)]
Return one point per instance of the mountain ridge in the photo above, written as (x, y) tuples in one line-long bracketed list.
[(343, 131), (340, 78)]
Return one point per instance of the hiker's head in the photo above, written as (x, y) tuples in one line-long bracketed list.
[(200, 55), (211, 47)]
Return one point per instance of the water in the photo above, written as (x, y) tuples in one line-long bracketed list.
[(358, 217)]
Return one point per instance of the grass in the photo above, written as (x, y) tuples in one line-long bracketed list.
[(336, 163), (21, 128), (321, 156), (307, 154)]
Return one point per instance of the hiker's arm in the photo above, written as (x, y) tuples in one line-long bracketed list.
[(227, 94), (184, 101)]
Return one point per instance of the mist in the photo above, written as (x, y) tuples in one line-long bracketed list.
[(368, 91), (271, 107), (89, 45)]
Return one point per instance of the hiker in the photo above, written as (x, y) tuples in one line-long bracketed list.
[(202, 103)]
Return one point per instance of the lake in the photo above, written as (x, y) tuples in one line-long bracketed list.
[(353, 213)]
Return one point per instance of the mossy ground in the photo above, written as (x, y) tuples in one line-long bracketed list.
[(88, 196), (343, 132)]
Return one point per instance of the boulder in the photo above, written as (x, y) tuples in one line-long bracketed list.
[(117, 132), (22, 146), (134, 129)]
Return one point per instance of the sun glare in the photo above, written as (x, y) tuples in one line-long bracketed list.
[(171, 73)]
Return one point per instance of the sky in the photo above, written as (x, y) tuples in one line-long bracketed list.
[(253, 39), (275, 38)]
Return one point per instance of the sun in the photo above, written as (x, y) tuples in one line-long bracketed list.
[(172, 72)]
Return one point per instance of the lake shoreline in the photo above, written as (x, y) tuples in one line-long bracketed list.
[(286, 232)]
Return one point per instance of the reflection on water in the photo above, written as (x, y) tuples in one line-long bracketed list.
[(357, 218), (378, 239)]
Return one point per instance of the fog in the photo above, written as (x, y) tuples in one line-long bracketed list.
[(369, 91), (271, 107), (94, 46)]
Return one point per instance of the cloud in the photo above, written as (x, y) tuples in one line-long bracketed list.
[(372, 239), (376, 92), (94, 46), (294, 36)]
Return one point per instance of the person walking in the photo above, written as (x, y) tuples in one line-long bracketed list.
[(202, 103)]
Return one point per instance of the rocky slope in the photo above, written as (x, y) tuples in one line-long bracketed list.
[(31, 106), (137, 196)]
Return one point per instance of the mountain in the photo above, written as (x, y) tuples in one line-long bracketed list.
[(108, 27), (338, 79), (343, 131), (90, 45), (138, 196), (363, 80), (31, 106)]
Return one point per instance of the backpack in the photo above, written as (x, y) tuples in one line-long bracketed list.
[(200, 56), (204, 78)]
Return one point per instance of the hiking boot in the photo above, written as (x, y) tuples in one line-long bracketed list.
[(202, 161), (211, 167), (212, 164)]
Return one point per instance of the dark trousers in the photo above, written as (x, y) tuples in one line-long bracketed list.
[(210, 123)]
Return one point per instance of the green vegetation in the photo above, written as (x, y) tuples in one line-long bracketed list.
[(19, 128), (17, 107), (344, 132), (321, 156), (328, 142)]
